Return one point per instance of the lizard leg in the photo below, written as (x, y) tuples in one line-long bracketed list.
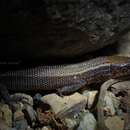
[(71, 88)]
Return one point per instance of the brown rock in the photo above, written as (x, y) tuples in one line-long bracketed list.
[(114, 123), (18, 115)]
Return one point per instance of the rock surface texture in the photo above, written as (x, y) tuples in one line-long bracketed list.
[(67, 28)]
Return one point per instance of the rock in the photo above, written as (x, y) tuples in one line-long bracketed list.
[(88, 122), (69, 28), (21, 124), (109, 105), (24, 102), (6, 114), (24, 98), (66, 106), (118, 87), (44, 117), (37, 97), (70, 123), (91, 97), (37, 100), (120, 113), (116, 102), (18, 106), (114, 123), (30, 113), (18, 115)]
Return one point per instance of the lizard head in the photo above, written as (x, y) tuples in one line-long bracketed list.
[(120, 66)]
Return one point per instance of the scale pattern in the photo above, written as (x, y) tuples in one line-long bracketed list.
[(58, 76)]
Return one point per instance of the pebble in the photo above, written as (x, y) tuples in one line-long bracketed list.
[(24, 98), (118, 87), (21, 124), (91, 97), (37, 100), (114, 123), (59, 112), (120, 113), (6, 114), (37, 97), (18, 106), (18, 115), (109, 104), (70, 123), (65, 106), (88, 122), (30, 112)]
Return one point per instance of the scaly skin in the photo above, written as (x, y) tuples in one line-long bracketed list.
[(67, 77)]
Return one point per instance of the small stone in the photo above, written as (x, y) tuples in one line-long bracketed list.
[(66, 106), (37, 96), (24, 98), (44, 117), (30, 112), (114, 123), (118, 87), (70, 123), (109, 105), (91, 97), (19, 106), (88, 122), (18, 115), (120, 113), (6, 114), (21, 124), (37, 100)]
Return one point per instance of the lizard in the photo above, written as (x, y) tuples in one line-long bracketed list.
[(66, 78)]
